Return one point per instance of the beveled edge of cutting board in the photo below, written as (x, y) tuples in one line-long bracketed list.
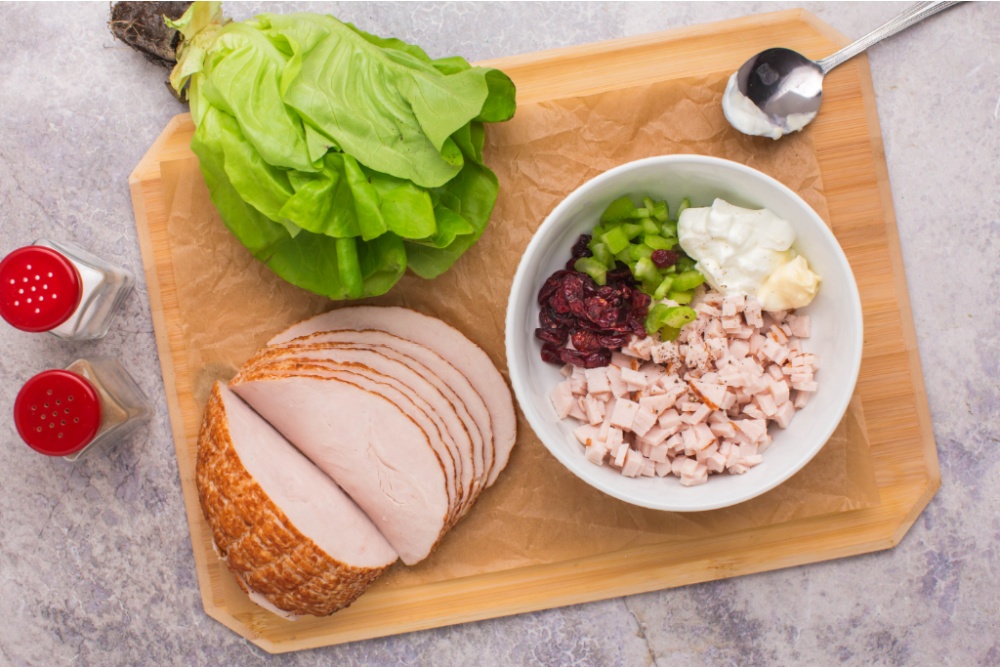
[(553, 585)]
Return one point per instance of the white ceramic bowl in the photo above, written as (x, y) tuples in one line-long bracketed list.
[(835, 313)]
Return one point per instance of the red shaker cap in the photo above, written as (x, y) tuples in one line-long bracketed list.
[(57, 412), (39, 288)]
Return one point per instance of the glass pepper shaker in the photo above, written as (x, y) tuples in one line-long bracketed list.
[(62, 289), (65, 412)]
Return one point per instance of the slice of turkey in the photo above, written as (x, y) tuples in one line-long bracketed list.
[(445, 340), (371, 448), (426, 389), (384, 387), (442, 406), (433, 367), (293, 539)]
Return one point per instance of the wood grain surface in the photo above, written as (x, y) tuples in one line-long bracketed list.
[(850, 153)]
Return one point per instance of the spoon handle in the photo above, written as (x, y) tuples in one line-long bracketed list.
[(912, 15)]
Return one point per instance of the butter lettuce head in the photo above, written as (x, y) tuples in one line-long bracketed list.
[(339, 158)]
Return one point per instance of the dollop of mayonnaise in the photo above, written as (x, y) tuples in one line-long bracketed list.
[(791, 285), (747, 251), (748, 118)]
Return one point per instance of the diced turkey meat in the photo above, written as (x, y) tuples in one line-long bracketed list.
[(700, 404)]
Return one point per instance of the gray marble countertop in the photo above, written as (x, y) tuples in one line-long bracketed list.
[(95, 560)]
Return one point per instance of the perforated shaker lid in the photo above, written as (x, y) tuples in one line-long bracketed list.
[(39, 288), (57, 412)]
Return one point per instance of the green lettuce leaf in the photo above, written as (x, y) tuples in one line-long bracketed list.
[(339, 158)]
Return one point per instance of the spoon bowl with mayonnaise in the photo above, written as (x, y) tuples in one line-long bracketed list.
[(779, 91)]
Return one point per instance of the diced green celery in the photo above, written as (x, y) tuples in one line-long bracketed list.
[(669, 333), (631, 230), (661, 211), (640, 250), (645, 270), (685, 204), (593, 268), (657, 242), (663, 288), (680, 297), (602, 254), (662, 315), (630, 234), (619, 209), (688, 280), (654, 318), (679, 316), (616, 239)]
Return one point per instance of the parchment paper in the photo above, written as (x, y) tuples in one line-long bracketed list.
[(537, 512)]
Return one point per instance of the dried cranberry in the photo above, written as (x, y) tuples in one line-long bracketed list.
[(581, 322), (558, 302), (580, 248), (601, 312), (620, 274), (569, 293), (606, 292), (551, 354), (591, 360), (572, 287), (597, 359), (568, 356), (640, 300), (550, 286), (664, 258), (585, 341), (614, 341), (556, 336)]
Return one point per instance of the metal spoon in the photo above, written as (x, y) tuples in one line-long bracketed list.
[(779, 90)]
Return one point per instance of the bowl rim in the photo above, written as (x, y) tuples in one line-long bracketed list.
[(518, 297)]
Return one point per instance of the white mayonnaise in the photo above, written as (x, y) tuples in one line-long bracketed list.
[(746, 251), (747, 117)]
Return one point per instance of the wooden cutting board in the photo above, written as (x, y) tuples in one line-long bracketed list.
[(849, 150)]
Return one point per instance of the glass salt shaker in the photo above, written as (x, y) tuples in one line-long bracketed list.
[(65, 412), (62, 289)]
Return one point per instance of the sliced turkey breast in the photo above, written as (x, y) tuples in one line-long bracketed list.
[(436, 370), (425, 389), (387, 388), (445, 340), (369, 446), (293, 539)]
